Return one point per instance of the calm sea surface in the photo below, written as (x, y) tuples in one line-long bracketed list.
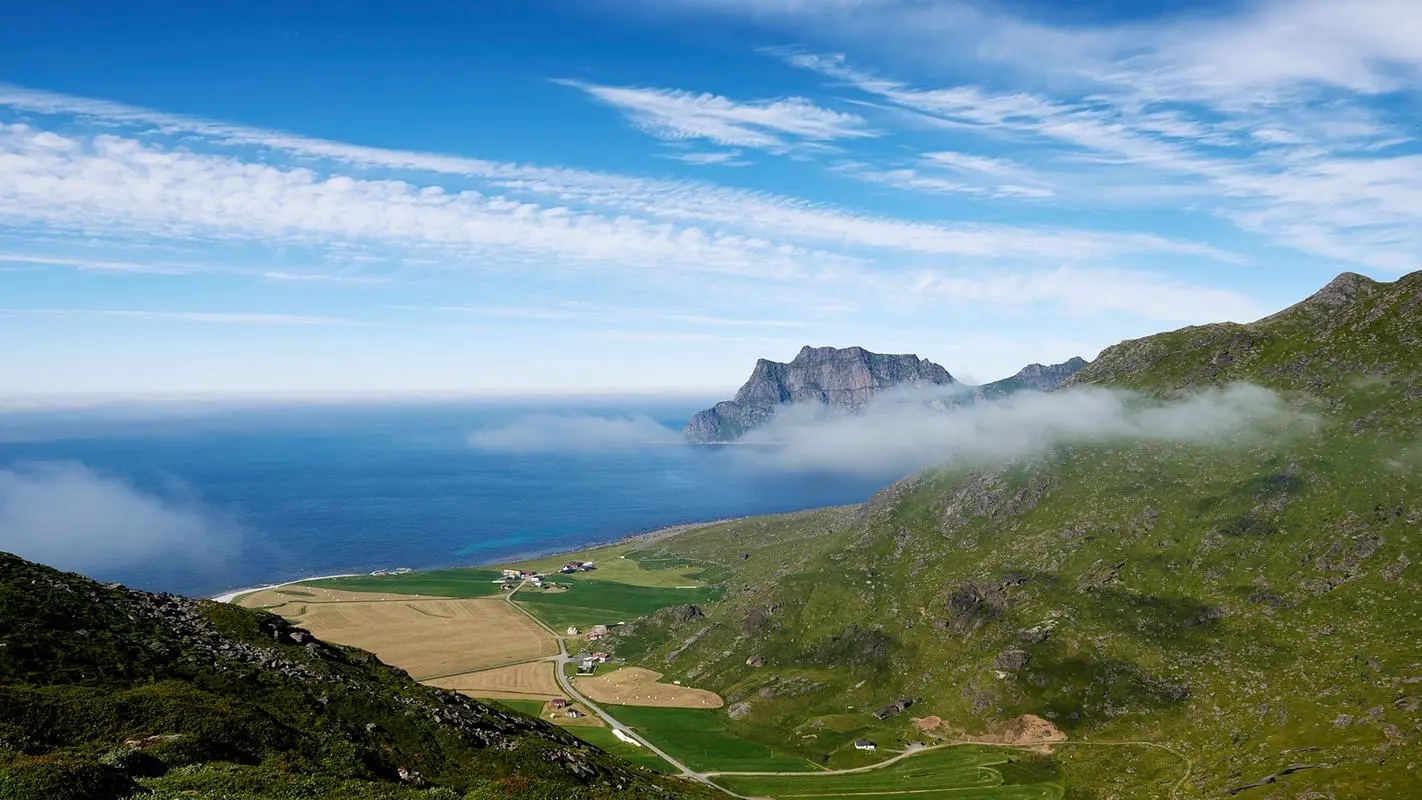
[(287, 493)]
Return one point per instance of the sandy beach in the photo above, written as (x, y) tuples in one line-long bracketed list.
[(236, 593)]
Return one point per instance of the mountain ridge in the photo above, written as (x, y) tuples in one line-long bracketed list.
[(847, 380), (1249, 605)]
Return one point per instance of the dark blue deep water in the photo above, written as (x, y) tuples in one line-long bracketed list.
[(267, 495)]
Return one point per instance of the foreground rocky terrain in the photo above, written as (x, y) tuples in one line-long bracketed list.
[(107, 692)]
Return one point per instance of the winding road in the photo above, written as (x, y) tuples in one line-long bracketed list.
[(563, 658)]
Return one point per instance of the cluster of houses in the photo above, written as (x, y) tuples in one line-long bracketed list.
[(397, 571), (560, 703), (511, 577), (587, 662)]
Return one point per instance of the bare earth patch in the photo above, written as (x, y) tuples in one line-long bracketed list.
[(427, 638), (531, 681), (1028, 731), (635, 686), (559, 716), (927, 724)]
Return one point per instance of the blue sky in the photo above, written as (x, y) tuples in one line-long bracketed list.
[(438, 198)]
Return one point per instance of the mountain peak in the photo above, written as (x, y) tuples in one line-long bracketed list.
[(1035, 377), (845, 379)]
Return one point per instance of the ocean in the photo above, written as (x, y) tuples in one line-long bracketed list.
[(202, 502)]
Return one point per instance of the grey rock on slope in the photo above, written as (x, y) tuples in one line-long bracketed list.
[(840, 379), (1034, 377)]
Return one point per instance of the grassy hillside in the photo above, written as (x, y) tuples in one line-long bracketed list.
[(1238, 617), (106, 692)]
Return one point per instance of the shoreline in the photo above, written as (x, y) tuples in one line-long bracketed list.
[(228, 597), (645, 536)]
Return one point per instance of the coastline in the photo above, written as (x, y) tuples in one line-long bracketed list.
[(228, 597), (645, 536)]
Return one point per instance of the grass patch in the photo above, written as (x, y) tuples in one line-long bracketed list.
[(606, 740), (968, 773), (702, 740), (593, 601), (530, 707), (626, 564), (458, 583)]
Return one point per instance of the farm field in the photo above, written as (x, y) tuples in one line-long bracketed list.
[(461, 582), (607, 741), (427, 638), (533, 680), (964, 773), (625, 563), (593, 601), (300, 594), (635, 686), (530, 707), (699, 738)]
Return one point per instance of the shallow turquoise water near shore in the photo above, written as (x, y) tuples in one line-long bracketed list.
[(278, 494)]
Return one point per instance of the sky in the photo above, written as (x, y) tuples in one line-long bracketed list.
[(447, 198)]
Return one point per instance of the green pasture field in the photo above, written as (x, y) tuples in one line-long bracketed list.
[(592, 601), (701, 740), (606, 740), (962, 773), (461, 582)]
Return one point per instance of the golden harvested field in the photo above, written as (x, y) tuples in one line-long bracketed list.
[(634, 686), (426, 638), (531, 681), (297, 594)]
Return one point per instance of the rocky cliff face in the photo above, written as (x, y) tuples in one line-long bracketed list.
[(841, 379), (1035, 377)]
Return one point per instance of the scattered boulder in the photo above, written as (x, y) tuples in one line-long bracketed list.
[(755, 661), (739, 710)]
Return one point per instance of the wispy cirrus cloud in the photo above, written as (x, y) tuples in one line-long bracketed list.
[(130, 177), (719, 158), (1339, 183), (53, 179), (207, 317), (584, 312), (772, 125)]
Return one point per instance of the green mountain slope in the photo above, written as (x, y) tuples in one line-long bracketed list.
[(107, 692), (1237, 617)]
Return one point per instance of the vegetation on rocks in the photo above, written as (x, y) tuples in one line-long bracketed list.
[(1232, 616), (107, 693)]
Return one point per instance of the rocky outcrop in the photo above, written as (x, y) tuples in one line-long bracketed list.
[(839, 379), (1034, 377)]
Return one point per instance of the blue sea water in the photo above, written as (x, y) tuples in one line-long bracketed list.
[(280, 493)]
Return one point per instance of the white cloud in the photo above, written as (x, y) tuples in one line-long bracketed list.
[(212, 317), (623, 218), (70, 517), (897, 438), (616, 315), (1318, 179), (542, 433), (719, 158), (773, 125), (95, 264), (1094, 291)]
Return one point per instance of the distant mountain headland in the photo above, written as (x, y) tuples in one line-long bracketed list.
[(847, 379)]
